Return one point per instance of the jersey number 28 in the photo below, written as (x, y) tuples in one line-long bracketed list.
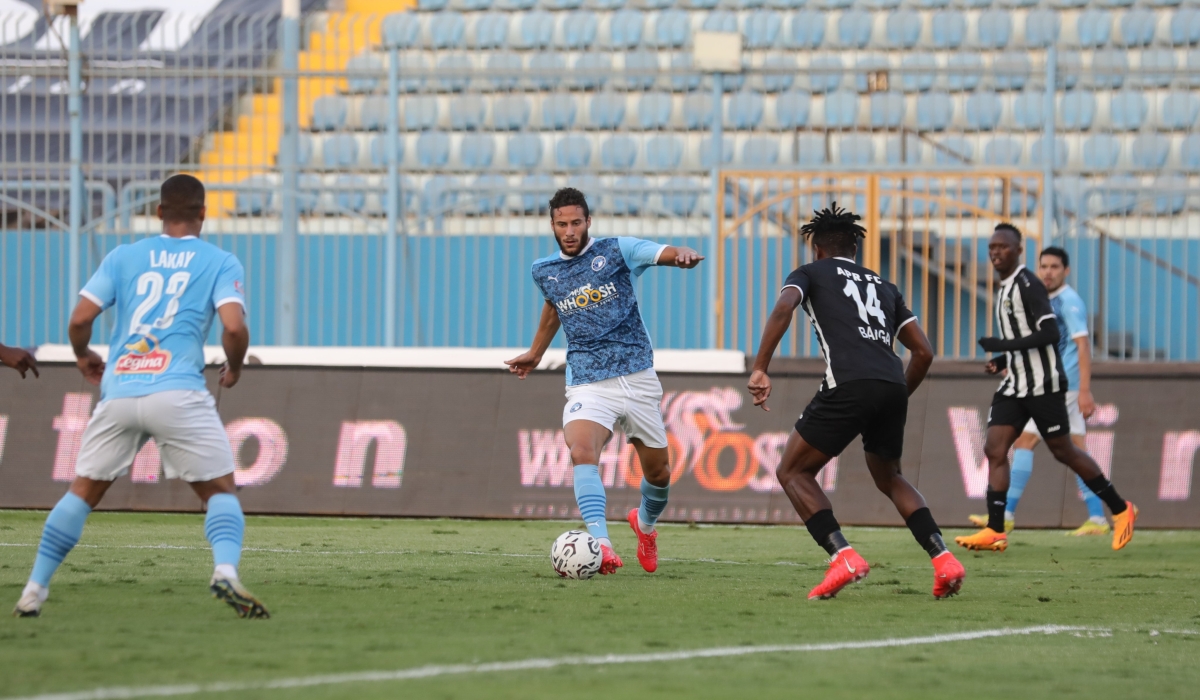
[(871, 307), (151, 284)]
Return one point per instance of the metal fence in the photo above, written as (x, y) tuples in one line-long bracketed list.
[(384, 177)]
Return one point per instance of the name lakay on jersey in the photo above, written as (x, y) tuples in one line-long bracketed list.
[(585, 296), (172, 261)]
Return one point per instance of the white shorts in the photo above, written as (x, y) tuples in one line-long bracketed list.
[(633, 401), (191, 439), (1078, 424)]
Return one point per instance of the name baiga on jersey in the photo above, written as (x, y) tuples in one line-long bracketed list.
[(1071, 315), (856, 316), (166, 292), (593, 294)]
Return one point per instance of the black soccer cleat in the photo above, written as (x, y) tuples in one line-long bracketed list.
[(232, 591)]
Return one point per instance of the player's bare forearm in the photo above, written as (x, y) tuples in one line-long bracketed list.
[(236, 336), (679, 256), (19, 359), (913, 337), (777, 324), (548, 326), (1087, 403), (79, 330)]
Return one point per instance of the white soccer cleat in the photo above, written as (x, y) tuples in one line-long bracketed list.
[(230, 590), (30, 604)]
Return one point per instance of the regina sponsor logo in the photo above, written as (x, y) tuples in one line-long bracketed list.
[(145, 357), (585, 296)]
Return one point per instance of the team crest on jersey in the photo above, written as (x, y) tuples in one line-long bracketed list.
[(145, 357), (598, 263), (576, 407), (1008, 306)]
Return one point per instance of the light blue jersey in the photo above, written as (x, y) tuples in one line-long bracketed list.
[(1071, 315), (166, 292)]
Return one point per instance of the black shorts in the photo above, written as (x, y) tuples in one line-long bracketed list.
[(873, 408), (1048, 411)]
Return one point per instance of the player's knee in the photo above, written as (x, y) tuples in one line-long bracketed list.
[(1062, 449), (996, 454), (584, 454)]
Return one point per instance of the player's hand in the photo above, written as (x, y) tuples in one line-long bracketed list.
[(229, 376), (760, 388), (1087, 404), (687, 258), (989, 344), (523, 364), (92, 367), (18, 359), (991, 368)]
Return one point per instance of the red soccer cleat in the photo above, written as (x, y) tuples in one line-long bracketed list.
[(948, 574), (845, 568), (647, 551), (609, 561)]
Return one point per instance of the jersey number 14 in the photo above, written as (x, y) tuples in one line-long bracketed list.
[(869, 309)]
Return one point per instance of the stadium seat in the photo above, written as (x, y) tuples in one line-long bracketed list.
[(1156, 60), (903, 29), (490, 194), (654, 110), (911, 153), (401, 30), (683, 81), (446, 30), (339, 151), (641, 69), (664, 152), (935, 111), (1076, 110), (1042, 28), (1101, 152), (697, 111), (856, 149), (378, 146), (1119, 195), (329, 113), (618, 153), (700, 4), (630, 195), (1069, 70), (932, 4), (983, 111), (834, 4), (470, 5), (432, 5), (785, 4), (1038, 155), (419, 113), (558, 112), (573, 152), (655, 4), (1180, 111), (1029, 111), (457, 70), (791, 110), (579, 30), (854, 29), (1011, 71), (413, 69), (515, 5), (433, 150), (310, 187), (841, 109), (1127, 110), (592, 71), (1135, 28), (1149, 151), (955, 150), (680, 196), (477, 151), (305, 154), (467, 112), (672, 29), (762, 29), (1094, 28), (918, 82), (1068, 4), (1002, 152), (783, 80), (760, 152), (1069, 193), (491, 30), (1109, 68), (550, 66), (368, 62), (1170, 195), (968, 71), (536, 30), (706, 152), (720, 21), (373, 113), (948, 28), (507, 69), (510, 112), (1185, 27), (440, 196), (524, 151), (810, 151), (807, 30), (562, 4), (994, 29), (253, 201), (744, 110), (538, 191), (625, 29), (887, 110), (976, 4), (607, 110), (826, 81)]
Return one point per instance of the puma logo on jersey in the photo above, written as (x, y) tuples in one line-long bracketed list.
[(173, 261)]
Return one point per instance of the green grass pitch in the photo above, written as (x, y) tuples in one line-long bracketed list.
[(130, 608)]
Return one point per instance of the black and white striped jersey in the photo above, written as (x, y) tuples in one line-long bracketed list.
[(1022, 305), (856, 316)]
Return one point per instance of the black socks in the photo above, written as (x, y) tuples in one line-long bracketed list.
[(825, 530), (997, 501), (1106, 492), (926, 532)]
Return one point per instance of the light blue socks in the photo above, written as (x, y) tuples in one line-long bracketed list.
[(654, 500), (1022, 469), (589, 495), (1094, 505), (63, 527), (223, 526)]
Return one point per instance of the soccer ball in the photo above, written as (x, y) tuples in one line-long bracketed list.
[(576, 554)]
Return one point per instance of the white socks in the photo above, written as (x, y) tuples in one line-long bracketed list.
[(605, 542), (646, 529), (225, 571), (42, 592)]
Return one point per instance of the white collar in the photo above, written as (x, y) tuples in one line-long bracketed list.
[(1060, 290), (587, 247), (181, 238), (1011, 277), (838, 257)]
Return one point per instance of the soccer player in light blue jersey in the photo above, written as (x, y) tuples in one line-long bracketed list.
[(1074, 346), (588, 288), (166, 290)]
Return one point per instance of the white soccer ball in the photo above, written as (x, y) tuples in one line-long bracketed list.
[(576, 554)]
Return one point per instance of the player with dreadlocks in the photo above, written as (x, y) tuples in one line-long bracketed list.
[(856, 316)]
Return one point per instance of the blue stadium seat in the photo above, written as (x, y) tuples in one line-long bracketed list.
[(1094, 28), (810, 151), (664, 152), (994, 29), (431, 5), (379, 151), (720, 21), (983, 111), (440, 196), (887, 110), (329, 113), (967, 71), (507, 68), (697, 111), (683, 81), (579, 30), (1042, 28), (641, 69), (680, 195), (401, 30), (1038, 155), (515, 5), (1070, 68), (955, 150), (309, 196), (834, 4), (1136, 28), (744, 110), (948, 28), (1068, 4), (1119, 195), (1077, 110), (340, 151), (655, 4), (778, 82), (1101, 152), (976, 4), (413, 69), (562, 4), (419, 113), (254, 202), (1180, 111), (654, 110), (701, 4), (935, 111), (1171, 196), (1149, 151), (607, 110), (854, 29), (1029, 111), (625, 29), (606, 4), (630, 195), (524, 151), (510, 112), (784, 4), (856, 149), (1069, 192), (539, 190), (760, 152), (364, 62), (791, 109), (932, 4), (433, 150), (373, 114), (305, 156), (1185, 27), (1011, 71), (536, 30), (1156, 60), (1109, 68), (762, 29), (918, 82), (807, 29), (903, 29), (827, 81), (552, 64), (467, 112), (490, 193), (706, 152), (558, 112), (1002, 152), (672, 29), (1014, 4), (1127, 110), (573, 152), (618, 153), (739, 4), (592, 70), (457, 71), (841, 109), (446, 30), (491, 30), (477, 151), (911, 154)]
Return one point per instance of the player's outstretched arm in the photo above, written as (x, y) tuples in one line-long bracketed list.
[(1046, 334), (80, 332), (679, 256), (235, 339), (20, 360), (523, 364), (913, 337), (777, 324)]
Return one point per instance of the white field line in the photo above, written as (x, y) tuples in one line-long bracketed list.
[(433, 671)]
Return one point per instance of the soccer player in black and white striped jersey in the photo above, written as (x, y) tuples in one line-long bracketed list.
[(1034, 387)]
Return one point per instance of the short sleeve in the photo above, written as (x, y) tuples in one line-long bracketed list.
[(639, 253), (1036, 300), (231, 284), (798, 279), (538, 284), (101, 289), (902, 314), (1075, 317)]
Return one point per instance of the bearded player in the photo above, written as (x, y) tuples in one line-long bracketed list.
[(588, 288)]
